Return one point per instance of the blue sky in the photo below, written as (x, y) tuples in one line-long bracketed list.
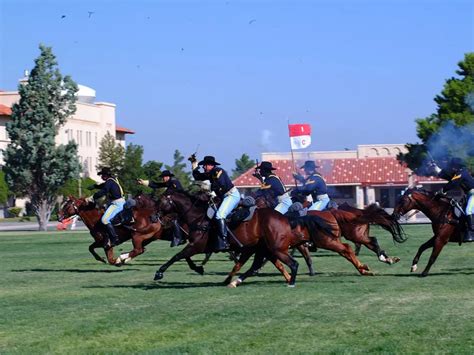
[(228, 75)]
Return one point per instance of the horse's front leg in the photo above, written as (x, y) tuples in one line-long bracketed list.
[(244, 257), (303, 249), (137, 242), (197, 268), (439, 243), (92, 248), (421, 249), (191, 249)]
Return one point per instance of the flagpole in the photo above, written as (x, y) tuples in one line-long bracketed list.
[(292, 155)]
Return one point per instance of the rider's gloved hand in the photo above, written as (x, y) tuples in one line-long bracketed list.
[(143, 182), (298, 177), (212, 194), (192, 158), (90, 199)]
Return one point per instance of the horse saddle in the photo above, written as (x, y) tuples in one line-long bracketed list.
[(239, 215), (125, 217)]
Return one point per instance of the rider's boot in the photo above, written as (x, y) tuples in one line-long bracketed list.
[(177, 234), (114, 240), (222, 243), (469, 235)]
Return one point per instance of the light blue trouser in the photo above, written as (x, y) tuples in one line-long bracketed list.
[(470, 205), (230, 201), (115, 207), (320, 204), (284, 204)]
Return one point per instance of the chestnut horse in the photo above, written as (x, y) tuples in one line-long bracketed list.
[(267, 232), (358, 232), (142, 232), (445, 225)]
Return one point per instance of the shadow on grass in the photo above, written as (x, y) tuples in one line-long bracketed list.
[(154, 285), (75, 270)]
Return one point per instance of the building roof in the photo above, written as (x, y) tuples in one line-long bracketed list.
[(5, 110), (347, 171), (124, 130)]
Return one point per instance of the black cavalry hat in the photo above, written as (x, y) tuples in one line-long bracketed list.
[(266, 165), (310, 165), (166, 173), (457, 163), (105, 171), (208, 160)]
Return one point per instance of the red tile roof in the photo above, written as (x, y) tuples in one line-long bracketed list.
[(5, 110), (121, 129), (349, 171)]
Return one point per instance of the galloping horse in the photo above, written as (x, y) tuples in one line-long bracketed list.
[(267, 232), (142, 232), (445, 225), (358, 233)]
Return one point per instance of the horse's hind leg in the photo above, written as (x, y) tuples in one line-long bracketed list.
[(303, 249), (196, 268), (383, 257), (421, 249), (244, 257), (96, 256)]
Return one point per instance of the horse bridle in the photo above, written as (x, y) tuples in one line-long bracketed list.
[(76, 209)]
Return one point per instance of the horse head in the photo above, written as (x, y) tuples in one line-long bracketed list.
[(182, 203), (412, 199), (71, 207), (144, 201)]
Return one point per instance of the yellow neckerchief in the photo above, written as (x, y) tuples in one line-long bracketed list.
[(117, 182)]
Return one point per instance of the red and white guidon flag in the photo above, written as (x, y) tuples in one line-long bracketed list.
[(300, 135)]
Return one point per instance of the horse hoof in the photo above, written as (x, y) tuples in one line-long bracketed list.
[(227, 280), (199, 270), (312, 273), (234, 283), (394, 260), (365, 267), (413, 268), (291, 285), (423, 274), (158, 276)]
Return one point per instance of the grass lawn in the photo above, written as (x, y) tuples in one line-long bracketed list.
[(55, 298)]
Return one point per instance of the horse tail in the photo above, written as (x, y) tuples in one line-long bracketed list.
[(313, 224), (374, 214)]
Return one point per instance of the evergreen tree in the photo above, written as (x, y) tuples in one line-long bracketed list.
[(178, 169), (132, 169), (34, 166), (3, 189), (152, 171), (72, 187), (450, 131), (111, 154), (242, 164)]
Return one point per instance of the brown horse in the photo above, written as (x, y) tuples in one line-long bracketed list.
[(445, 225), (141, 233), (268, 232), (358, 232)]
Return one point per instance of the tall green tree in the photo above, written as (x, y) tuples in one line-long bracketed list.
[(77, 187), (34, 166), (132, 169), (242, 164), (111, 154), (152, 170), (178, 169), (450, 131), (3, 189)]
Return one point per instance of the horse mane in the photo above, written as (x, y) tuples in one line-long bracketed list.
[(199, 199), (314, 224)]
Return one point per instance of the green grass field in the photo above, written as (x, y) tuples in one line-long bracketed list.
[(55, 298)]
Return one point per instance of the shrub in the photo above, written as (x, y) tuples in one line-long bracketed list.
[(14, 211)]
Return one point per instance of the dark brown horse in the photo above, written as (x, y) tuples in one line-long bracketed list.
[(445, 225), (355, 226), (268, 233), (141, 233)]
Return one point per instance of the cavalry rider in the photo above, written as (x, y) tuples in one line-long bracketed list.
[(169, 181), (272, 188), (313, 185), (113, 191), (222, 187), (171, 184), (459, 177)]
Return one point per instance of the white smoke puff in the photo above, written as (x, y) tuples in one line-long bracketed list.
[(452, 141), (265, 141)]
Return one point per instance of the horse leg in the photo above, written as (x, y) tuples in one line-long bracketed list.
[(92, 248), (421, 249), (303, 249), (244, 257), (206, 259), (357, 248), (109, 252), (190, 250), (439, 243), (257, 263), (383, 257), (137, 241), (196, 268), (287, 259), (345, 251)]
